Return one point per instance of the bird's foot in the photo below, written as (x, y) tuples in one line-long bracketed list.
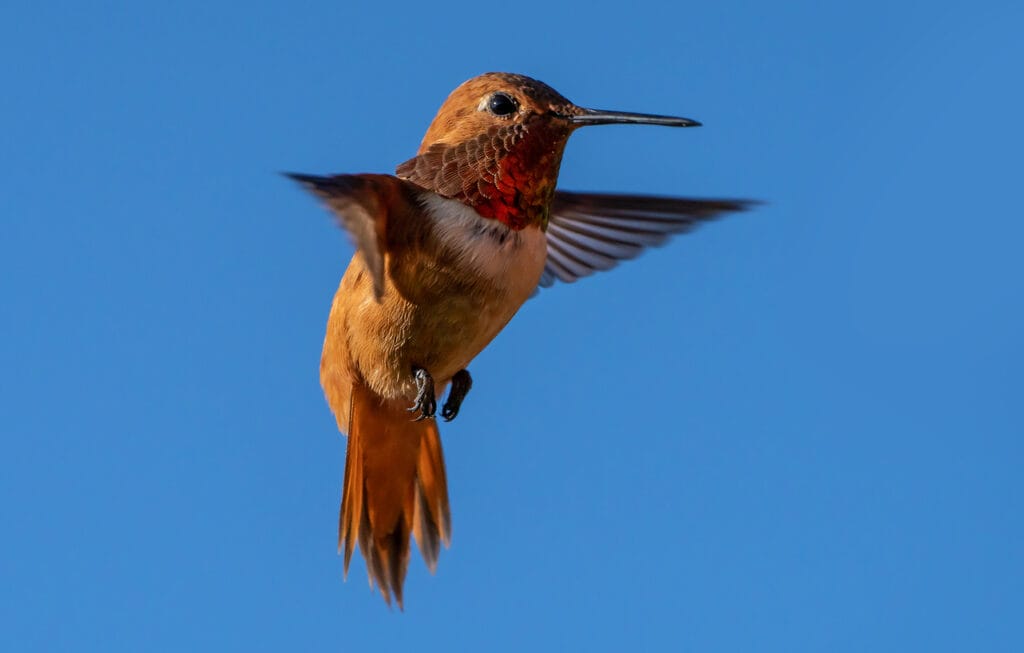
[(461, 383), (425, 404)]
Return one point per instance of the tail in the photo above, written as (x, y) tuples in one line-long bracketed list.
[(395, 486)]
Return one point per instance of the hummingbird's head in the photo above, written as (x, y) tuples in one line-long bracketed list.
[(496, 144)]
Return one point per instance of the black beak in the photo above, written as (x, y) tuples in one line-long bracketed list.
[(596, 117)]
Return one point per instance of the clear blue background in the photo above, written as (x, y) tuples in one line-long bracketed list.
[(797, 429)]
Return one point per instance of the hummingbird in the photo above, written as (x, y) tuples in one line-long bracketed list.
[(447, 251)]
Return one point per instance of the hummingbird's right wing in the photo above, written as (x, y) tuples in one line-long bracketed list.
[(589, 232), (355, 201)]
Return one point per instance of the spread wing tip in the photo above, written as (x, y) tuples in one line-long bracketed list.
[(317, 184), (301, 177), (738, 204)]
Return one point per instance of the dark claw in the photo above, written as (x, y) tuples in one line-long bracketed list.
[(426, 404), (461, 383)]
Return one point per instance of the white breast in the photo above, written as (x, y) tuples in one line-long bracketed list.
[(508, 257)]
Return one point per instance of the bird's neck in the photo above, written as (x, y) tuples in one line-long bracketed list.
[(505, 177)]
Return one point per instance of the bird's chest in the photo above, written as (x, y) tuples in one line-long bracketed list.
[(465, 283), (480, 258)]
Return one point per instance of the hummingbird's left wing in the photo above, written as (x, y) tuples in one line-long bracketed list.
[(589, 232)]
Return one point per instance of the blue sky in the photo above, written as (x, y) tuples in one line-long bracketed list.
[(797, 429)]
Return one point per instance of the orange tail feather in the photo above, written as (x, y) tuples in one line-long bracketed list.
[(395, 486)]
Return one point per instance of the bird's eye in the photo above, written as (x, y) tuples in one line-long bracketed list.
[(502, 104)]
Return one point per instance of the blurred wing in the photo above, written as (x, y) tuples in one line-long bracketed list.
[(354, 201), (588, 232)]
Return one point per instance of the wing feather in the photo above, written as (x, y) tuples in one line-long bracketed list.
[(590, 232), (354, 201)]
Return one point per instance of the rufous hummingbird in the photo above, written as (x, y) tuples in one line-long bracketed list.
[(447, 250)]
